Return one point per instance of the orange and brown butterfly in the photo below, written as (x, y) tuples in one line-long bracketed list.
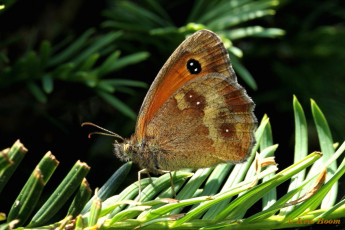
[(195, 114)]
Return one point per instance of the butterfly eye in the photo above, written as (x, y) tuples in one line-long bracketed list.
[(193, 66)]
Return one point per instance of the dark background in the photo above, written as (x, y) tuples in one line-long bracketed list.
[(307, 61)]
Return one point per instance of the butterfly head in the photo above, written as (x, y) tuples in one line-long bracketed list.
[(124, 150)]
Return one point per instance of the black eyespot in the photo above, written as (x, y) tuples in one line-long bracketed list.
[(193, 66)]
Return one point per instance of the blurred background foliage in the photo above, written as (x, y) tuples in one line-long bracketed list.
[(66, 62)]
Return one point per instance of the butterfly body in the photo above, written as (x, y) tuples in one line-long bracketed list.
[(195, 114)]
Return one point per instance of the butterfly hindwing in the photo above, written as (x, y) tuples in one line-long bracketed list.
[(208, 120)]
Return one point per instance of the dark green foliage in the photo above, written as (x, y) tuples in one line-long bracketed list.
[(306, 62), (16, 154), (27, 199), (62, 74), (87, 60), (65, 190), (81, 198)]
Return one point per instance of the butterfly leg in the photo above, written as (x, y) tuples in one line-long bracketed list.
[(139, 178), (171, 180)]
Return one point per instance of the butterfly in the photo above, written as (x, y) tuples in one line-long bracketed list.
[(195, 114)]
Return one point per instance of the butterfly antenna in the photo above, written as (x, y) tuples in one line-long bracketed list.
[(107, 132)]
